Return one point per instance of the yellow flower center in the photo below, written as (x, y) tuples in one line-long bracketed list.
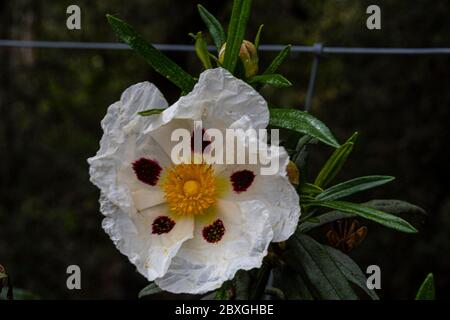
[(190, 189)]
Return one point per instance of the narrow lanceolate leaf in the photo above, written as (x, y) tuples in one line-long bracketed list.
[(276, 80), (242, 285), (350, 187), (201, 49), (426, 290), (150, 112), (395, 206), (386, 205), (152, 288), (258, 36), (351, 270), (335, 163), (302, 122), (213, 25), (236, 31), (310, 189), (273, 67), (321, 271), (155, 58), (324, 219), (292, 283), (368, 213)]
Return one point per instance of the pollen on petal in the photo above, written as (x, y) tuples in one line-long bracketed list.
[(214, 232), (147, 170), (242, 180), (162, 224)]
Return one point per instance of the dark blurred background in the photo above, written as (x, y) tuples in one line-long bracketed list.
[(52, 101)]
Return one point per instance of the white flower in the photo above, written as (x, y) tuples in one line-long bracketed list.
[(189, 227)]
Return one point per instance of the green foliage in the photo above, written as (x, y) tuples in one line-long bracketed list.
[(335, 162), (152, 288), (350, 187), (302, 122), (150, 112), (323, 274), (279, 59), (368, 213), (386, 205), (155, 58), (214, 26), (427, 290), (201, 49), (258, 36), (236, 32), (276, 80), (323, 219), (395, 206), (351, 270)]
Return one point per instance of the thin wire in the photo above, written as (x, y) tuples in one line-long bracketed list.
[(190, 48)]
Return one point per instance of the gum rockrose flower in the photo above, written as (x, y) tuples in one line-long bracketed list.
[(190, 226)]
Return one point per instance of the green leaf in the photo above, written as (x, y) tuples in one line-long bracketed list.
[(369, 213), (152, 288), (335, 163), (324, 219), (276, 80), (236, 31), (3, 275), (321, 271), (155, 58), (150, 112), (350, 187), (310, 189), (273, 67), (242, 285), (427, 290), (258, 36), (201, 49), (386, 205), (351, 270), (291, 283), (213, 25), (395, 206), (302, 122)]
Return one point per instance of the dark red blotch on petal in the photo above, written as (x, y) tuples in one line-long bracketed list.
[(162, 225), (242, 180), (147, 170), (214, 232)]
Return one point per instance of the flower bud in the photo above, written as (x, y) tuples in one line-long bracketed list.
[(248, 55)]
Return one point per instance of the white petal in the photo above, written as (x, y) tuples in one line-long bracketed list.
[(123, 142), (133, 237), (219, 99), (200, 266), (281, 201), (275, 192), (123, 138)]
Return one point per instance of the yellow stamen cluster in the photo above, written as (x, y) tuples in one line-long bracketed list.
[(190, 189)]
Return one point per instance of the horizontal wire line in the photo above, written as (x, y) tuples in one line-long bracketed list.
[(190, 48)]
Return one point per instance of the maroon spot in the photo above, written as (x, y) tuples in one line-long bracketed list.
[(147, 170), (162, 225), (205, 142), (214, 232), (241, 180)]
